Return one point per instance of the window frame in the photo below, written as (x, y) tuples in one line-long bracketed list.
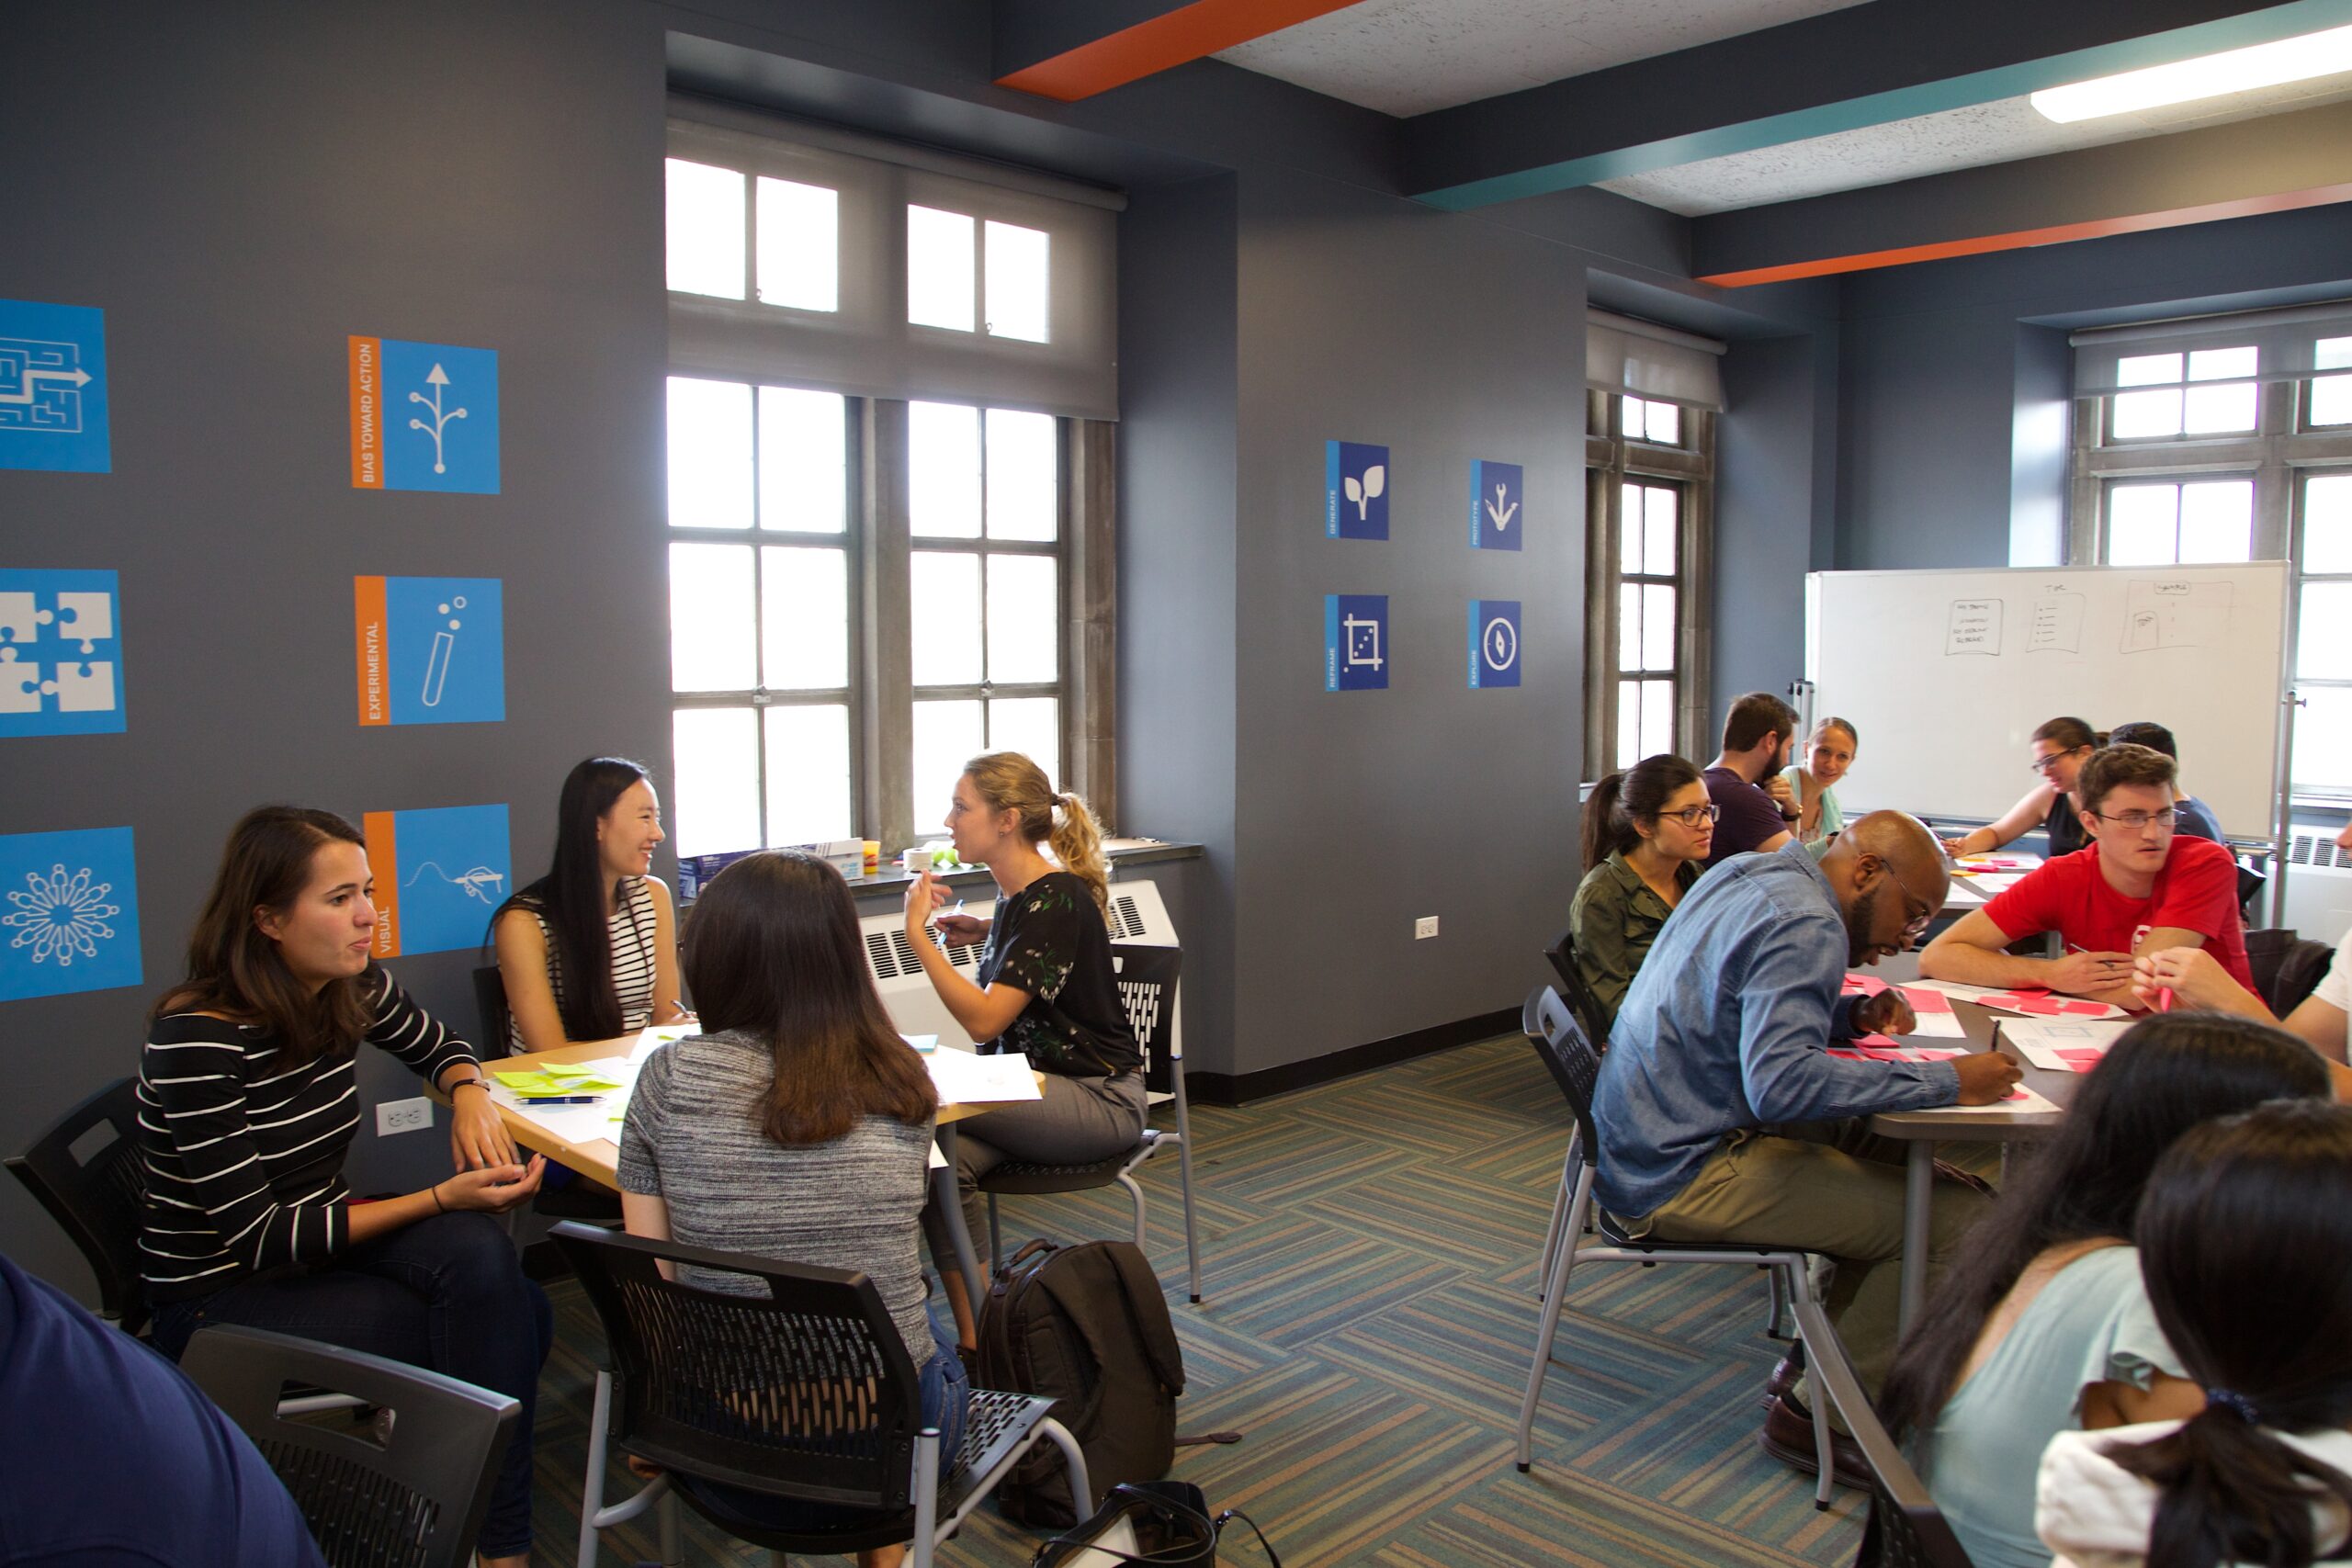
[(1613, 459)]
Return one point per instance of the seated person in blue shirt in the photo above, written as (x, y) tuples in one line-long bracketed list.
[(2189, 816), (1722, 1117), (108, 1455)]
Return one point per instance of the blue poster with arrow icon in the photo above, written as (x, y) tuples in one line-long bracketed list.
[(1496, 521), (1494, 643), (424, 416)]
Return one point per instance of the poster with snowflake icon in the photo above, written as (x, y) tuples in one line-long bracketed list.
[(69, 913)]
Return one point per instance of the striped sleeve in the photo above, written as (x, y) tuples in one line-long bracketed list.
[(406, 1031), (199, 1113)]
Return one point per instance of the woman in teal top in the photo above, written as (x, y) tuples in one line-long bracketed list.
[(1646, 834), (2043, 1327), (1827, 756)]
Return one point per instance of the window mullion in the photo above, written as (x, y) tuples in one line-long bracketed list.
[(885, 654)]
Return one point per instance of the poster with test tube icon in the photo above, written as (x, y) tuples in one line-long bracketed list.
[(430, 649)]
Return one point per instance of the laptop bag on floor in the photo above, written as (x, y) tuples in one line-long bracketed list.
[(1088, 1327)]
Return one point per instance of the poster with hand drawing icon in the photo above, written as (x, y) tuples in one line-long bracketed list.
[(430, 649), (439, 874)]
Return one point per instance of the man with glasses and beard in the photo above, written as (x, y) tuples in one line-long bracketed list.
[(2140, 887), (1721, 1115)]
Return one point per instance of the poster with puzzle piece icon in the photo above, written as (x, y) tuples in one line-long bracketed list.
[(60, 653)]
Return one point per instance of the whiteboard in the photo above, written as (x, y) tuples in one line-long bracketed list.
[(1947, 674)]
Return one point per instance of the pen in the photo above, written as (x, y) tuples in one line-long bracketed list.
[(558, 1099)]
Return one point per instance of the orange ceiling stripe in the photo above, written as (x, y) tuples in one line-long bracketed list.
[(1186, 33), (2057, 234)]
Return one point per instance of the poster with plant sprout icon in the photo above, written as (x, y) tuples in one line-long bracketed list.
[(1355, 491)]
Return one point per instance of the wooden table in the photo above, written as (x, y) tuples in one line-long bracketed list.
[(1923, 1130), (599, 1159)]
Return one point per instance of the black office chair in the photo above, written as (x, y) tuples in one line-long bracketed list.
[(490, 1001), (1148, 977), (414, 1498), (97, 1200), (1560, 1040), (1563, 955), (1905, 1530), (806, 1392), (2287, 969)]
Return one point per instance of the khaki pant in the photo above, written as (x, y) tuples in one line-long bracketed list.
[(1834, 1189)]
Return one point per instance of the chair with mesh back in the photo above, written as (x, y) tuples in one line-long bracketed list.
[(489, 1002), (1148, 977), (1563, 955), (1905, 1530), (413, 1499), (96, 1200), (807, 1393), (1551, 1027)]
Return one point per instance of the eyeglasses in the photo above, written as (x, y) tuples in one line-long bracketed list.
[(1917, 923), (1692, 816), (2043, 764), (2137, 820)]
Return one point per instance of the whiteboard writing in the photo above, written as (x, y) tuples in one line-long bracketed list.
[(2057, 624), (2175, 614), (1974, 628)]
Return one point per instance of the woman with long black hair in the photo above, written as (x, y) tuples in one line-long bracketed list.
[(2243, 1241), (2042, 1328), (589, 951)]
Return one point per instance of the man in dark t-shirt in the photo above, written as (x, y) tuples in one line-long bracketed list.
[(1752, 799)]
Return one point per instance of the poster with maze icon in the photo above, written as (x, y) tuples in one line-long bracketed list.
[(69, 913), (53, 387), (60, 653), (430, 649), (440, 875)]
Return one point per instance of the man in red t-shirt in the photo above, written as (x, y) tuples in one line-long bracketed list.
[(2137, 888)]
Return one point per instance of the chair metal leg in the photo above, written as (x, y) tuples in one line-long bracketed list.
[(1812, 1323), (1185, 1169), (1134, 1190), (995, 1248), (1772, 1323), (1568, 1167), (591, 1486), (669, 1531), (1555, 1292), (926, 1498)]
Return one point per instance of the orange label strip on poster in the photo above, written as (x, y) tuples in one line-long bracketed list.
[(367, 638), (367, 413), (383, 865)]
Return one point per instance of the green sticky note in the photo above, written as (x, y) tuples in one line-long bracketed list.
[(531, 1083)]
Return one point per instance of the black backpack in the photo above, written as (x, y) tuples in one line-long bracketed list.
[(1086, 1326)]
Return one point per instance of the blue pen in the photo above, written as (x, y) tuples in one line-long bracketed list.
[(558, 1099)]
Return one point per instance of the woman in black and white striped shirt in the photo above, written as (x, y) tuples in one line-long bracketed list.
[(247, 1104), (589, 951)]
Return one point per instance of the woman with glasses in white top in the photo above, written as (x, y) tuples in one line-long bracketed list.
[(1646, 835), (2060, 749)]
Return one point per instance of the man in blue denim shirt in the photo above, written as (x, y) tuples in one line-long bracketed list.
[(1722, 1117)]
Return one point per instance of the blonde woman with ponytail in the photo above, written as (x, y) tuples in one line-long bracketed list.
[(1044, 984)]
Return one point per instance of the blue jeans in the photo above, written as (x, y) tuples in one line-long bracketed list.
[(446, 1293), (946, 1394)]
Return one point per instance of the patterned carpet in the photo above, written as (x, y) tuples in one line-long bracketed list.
[(1369, 1258)]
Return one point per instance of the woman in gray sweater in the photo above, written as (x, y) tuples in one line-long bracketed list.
[(797, 1128)]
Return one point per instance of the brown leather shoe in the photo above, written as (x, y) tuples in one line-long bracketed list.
[(1788, 1437)]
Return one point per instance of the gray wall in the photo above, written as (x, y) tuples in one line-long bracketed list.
[(1775, 495), (241, 188)]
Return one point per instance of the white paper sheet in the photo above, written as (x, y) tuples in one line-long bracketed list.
[(2027, 1101), (966, 1078), (1983, 996), (1936, 1026), (1964, 892), (2039, 1040), (652, 1040)]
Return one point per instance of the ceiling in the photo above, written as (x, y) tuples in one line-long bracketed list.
[(1407, 57)]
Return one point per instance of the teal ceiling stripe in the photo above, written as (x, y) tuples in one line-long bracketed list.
[(2290, 21)]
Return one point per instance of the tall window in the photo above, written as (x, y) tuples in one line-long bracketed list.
[(883, 383), (2230, 439), (1650, 472)]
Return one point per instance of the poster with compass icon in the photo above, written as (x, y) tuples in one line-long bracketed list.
[(430, 649)]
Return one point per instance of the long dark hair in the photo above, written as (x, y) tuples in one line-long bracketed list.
[(772, 951), (2242, 1240), (235, 970), (570, 898), (2163, 1077), (1636, 795)]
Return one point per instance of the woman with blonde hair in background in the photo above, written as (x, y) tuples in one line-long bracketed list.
[(1044, 985)]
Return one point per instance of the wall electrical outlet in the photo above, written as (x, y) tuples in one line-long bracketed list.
[(1425, 927), (403, 1116)]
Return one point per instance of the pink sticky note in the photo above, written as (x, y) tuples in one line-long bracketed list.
[(1863, 984), (2081, 1059), (1922, 1000), (2095, 1009)]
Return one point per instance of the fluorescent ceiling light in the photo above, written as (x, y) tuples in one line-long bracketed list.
[(2234, 71)]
